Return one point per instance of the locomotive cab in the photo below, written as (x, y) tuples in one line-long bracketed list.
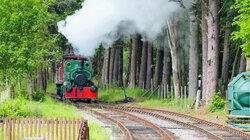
[(75, 78)]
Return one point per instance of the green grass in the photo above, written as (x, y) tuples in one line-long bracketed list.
[(97, 132)]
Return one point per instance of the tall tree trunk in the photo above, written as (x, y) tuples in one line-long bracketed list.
[(105, 69), (166, 77), (120, 76), (213, 48), (139, 54), (193, 53), (174, 46), (225, 61), (111, 65), (128, 65), (242, 64), (149, 66), (204, 47), (143, 69), (116, 65), (39, 78), (236, 58), (158, 66), (29, 86), (133, 71)]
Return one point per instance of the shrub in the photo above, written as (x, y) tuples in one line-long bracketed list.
[(217, 102)]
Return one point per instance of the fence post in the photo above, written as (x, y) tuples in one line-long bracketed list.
[(159, 92), (185, 96), (172, 96), (18, 127), (152, 86), (181, 96)]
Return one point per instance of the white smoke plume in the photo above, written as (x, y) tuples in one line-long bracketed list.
[(106, 20)]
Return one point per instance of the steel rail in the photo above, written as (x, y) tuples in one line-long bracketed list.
[(173, 120), (122, 126), (158, 129), (220, 126)]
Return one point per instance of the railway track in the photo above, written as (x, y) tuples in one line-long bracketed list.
[(132, 119), (215, 130)]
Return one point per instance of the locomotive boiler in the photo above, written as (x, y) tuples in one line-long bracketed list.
[(239, 95), (75, 78)]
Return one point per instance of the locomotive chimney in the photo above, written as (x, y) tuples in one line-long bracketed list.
[(81, 64)]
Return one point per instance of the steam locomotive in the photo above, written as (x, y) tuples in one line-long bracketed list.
[(75, 78)]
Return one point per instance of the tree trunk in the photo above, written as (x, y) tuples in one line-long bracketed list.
[(39, 78), (128, 65), (158, 66), (149, 66), (133, 71), (213, 48), (143, 69), (139, 55), (237, 55), (116, 65), (225, 61), (105, 69), (120, 76), (243, 63), (174, 45), (193, 53), (29, 86), (111, 65), (166, 77), (204, 47)]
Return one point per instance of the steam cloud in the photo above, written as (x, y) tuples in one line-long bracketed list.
[(106, 20)]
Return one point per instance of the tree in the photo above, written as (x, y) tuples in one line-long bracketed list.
[(225, 61), (111, 64), (159, 63), (172, 35), (25, 39), (213, 48), (127, 77), (132, 81), (193, 51), (149, 66), (105, 69), (204, 46), (143, 69), (242, 20), (166, 76)]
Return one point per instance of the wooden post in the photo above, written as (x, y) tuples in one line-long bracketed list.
[(22, 128), (14, 128), (162, 91), (185, 96), (31, 127), (52, 128), (48, 128), (152, 86), (27, 126), (74, 128), (197, 99), (159, 92), (61, 127), (65, 129), (35, 127), (2, 128), (44, 126), (172, 96), (18, 127), (40, 127), (181, 96), (69, 122)]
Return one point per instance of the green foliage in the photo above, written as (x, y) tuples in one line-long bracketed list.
[(217, 102), (47, 108), (24, 37), (243, 21)]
